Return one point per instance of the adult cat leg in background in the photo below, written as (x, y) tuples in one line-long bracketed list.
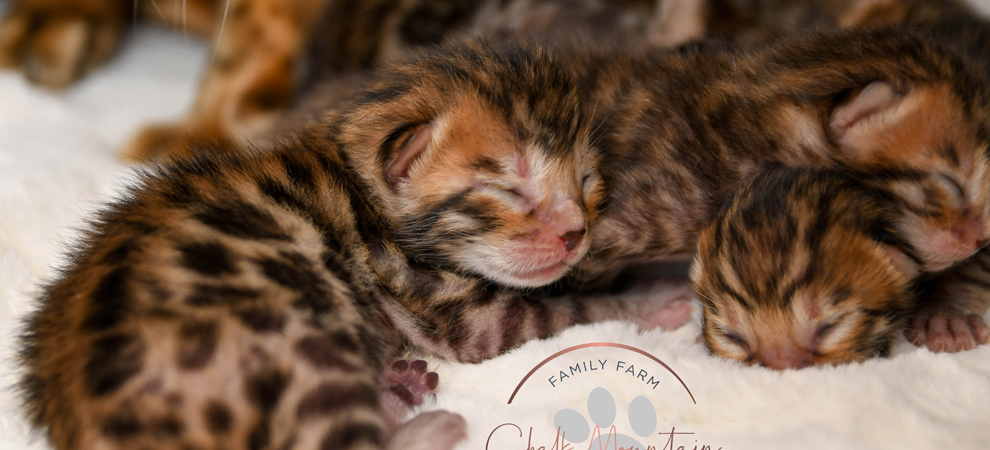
[(258, 60), (56, 42)]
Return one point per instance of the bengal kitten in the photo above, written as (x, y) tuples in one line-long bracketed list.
[(253, 302), (954, 23), (270, 51), (810, 267)]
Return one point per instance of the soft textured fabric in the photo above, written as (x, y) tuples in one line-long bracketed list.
[(57, 165)]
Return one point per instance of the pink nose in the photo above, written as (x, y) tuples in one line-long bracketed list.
[(785, 358), (971, 230), (572, 239)]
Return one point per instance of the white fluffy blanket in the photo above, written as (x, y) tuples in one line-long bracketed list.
[(57, 165)]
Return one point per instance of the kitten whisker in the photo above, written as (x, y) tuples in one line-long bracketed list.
[(160, 13), (185, 31), (595, 131), (223, 21)]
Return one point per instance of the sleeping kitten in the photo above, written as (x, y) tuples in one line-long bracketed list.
[(954, 23), (253, 302), (269, 52), (677, 144), (809, 267)]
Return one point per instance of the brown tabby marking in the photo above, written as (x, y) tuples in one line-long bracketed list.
[(879, 102), (253, 302), (803, 268)]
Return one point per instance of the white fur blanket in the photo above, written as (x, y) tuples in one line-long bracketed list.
[(57, 165)]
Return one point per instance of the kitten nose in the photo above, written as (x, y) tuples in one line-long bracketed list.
[(572, 239), (972, 229), (788, 357)]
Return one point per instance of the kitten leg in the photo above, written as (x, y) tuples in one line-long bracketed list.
[(494, 321), (950, 318), (404, 385), (678, 21), (260, 46), (667, 302), (434, 430), (54, 42)]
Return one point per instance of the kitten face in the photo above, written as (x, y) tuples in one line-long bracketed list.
[(923, 148), (491, 198), (791, 274), (499, 203), (825, 321), (480, 157)]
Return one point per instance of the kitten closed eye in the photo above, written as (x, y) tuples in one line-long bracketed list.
[(836, 297)]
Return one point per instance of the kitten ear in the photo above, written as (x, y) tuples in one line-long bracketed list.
[(415, 146), (870, 113)]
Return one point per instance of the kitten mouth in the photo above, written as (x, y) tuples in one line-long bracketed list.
[(544, 275)]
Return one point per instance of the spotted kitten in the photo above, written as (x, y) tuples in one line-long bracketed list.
[(679, 129), (806, 267), (954, 23), (254, 302), (676, 145)]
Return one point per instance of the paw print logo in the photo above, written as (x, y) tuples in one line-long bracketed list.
[(601, 410)]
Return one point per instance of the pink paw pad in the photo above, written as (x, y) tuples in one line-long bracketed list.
[(409, 381), (948, 332)]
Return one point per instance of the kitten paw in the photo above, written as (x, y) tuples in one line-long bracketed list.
[(435, 430), (410, 381), (948, 332), (404, 385), (670, 316), (664, 303), (54, 45)]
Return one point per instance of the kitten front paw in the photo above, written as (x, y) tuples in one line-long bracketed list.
[(54, 45), (670, 316), (404, 385), (946, 331), (410, 381), (662, 303), (435, 430)]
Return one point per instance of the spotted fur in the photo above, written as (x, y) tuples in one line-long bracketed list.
[(675, 146), (804, 267), (699, 129), (251, 302)]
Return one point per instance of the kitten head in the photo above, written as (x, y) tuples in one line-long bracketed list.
[(929, 150), (483, 162), (802, 268)]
